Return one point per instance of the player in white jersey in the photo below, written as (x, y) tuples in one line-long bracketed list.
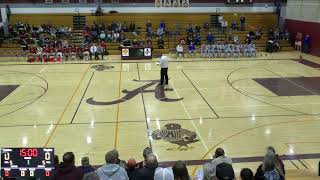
[(227, 50), (236, 50), (216, 50), (207, 50), (202, 51), (222, 48), (253, 49), (246, 50), (211, 47)]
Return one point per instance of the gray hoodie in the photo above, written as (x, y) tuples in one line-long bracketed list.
[(112, 172)]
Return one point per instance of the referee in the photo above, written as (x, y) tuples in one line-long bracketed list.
[(164, 61)]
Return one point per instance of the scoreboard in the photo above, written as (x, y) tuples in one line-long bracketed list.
[(27, 162)]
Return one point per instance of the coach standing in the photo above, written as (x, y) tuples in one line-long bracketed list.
[(164, 61)]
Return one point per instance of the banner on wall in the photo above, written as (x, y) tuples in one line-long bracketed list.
[(172, 3)]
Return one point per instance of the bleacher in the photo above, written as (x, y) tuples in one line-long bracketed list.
[(174, 22)]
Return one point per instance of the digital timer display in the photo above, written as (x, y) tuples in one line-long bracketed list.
[(27, 162)]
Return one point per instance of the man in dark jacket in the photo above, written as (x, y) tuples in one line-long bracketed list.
[(67, 169), (148, 171)]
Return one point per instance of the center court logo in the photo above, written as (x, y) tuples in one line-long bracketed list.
[(159, 93), (175, 134)]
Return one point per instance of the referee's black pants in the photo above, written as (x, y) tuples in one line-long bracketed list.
[(164, 75)]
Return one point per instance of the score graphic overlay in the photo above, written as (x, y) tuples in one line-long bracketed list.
[(27, 162)]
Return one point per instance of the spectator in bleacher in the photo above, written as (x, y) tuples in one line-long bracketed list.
[(206, 26), (284, 35), (86, 52), (182, 40), (149, 32), (91, 176), (298, 41), (135, 33), (101, 26), (80, 52), (94, 51), (122, 37), (102, 36), (198, 39), (160, 43), (268, 169), (197, 29), (100, 51), (109, 37), (112, 170), (220, 21), (234, 26), (219, 157), (210, 38), (258, 34), (85, 165), (164, 174), (192, 49), (67, 169), (180, 171), (87, 36), (179, 50), (160, 31), (124, 27), (147, 172), (271, 32), (116, 36), (66, 52), (190, 39), (242, 23), (73, 52), (246, 174), (148, 24), (306, 43), (149, 42), (224, 26), (104, 48), (190, 29), (132, 26), (162, 25), (64, 43)]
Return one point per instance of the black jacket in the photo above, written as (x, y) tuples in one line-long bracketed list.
[(144, 173)]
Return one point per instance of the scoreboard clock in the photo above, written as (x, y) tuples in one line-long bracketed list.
[(27, 162)]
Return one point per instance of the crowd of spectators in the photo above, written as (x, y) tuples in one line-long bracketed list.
[(58, 54), (219, 168), (114, 32), (42, 35)]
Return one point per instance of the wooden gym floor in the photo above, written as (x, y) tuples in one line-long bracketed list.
[(242, 105)]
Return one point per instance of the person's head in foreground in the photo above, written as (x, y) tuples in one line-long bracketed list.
[(180, 171)]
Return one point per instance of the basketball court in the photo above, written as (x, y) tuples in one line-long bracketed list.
[(241, 105)]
